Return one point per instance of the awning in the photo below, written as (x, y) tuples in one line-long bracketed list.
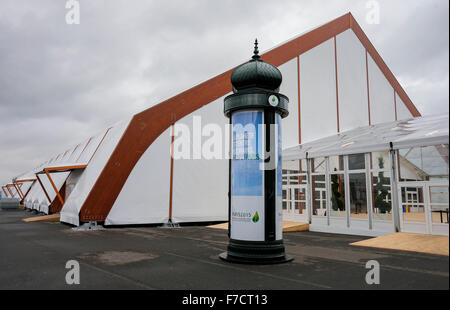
[(60, 167)]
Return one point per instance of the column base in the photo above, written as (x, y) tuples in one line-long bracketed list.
[(246, 252)]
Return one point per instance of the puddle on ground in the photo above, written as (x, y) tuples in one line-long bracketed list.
[(113, 258)]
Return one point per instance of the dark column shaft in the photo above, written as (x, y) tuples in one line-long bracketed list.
[(229, 179), (269, 176)]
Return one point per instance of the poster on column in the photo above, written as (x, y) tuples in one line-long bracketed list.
[(247, 177)]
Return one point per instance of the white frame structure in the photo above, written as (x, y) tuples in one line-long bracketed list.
[(388, 138)]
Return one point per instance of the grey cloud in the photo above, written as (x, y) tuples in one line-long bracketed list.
[(61, 83)]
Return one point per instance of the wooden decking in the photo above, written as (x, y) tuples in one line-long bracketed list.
[(43, 218), (430, 244)]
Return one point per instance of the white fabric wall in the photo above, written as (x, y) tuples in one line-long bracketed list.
[(382, 108), (80, 153), (91, 147), (72, 206), (48, 187), (39, 198), (58, 179), (402, 111), (352, 81), (72, 181), (200, 187), (59, 158), (144, 199), (76, 153), (42, 200), (55, 158), (29, 199), (35, 194), (65, 155), (289, 87), (318, 92)]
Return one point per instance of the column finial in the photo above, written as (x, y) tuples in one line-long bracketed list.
[(256, 51)]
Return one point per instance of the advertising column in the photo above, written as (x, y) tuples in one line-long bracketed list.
[(255, 199)]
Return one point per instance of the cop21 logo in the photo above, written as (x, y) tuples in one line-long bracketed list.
[(245, 216)]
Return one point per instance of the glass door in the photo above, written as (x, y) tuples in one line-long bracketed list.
[(424, 207), (439, 208), (294, 203), (413, 207)]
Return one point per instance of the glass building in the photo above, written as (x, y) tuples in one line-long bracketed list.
[(372, 180)]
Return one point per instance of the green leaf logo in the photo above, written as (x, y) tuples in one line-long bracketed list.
[(273, 100), (255, 218)]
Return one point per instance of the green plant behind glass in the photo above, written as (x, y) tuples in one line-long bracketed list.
[(337, 202), (380, 190)]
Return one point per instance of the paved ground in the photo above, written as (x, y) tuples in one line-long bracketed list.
[(33, 256)]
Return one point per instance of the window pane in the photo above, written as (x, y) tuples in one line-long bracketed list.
[(292, 172), (439, 214), (319, 195), (337, 195), (412, 204), (439, 204), (298, 196), (318, 164), (294, 166), (303, 166), (297, 179), (381, 197), (439, 195), (356, 162), (336, 163), (380, 160), (358, 195), (424, 163)]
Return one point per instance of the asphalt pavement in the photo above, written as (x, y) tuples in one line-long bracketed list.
[(34, 256)]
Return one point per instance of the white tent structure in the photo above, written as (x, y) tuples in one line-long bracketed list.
[(334, 78), (407, 133), (373, 180), (53, 181)]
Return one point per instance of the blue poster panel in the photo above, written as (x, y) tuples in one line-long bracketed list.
[(247, 176)]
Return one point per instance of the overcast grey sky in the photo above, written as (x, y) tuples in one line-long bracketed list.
[(60, 83)]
